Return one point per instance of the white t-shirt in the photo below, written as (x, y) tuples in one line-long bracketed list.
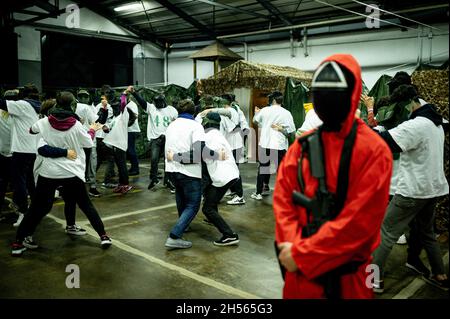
[(421, 172), (271, 138), (23, 116), (242, 119), (5, 133), (311, 122), (87, 114), (118, 134), (76, 138), (100, 133), (232, 135), (181, 134), (221, 172), (135, 127), (159, 120)]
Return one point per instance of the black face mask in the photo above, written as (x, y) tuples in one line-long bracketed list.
[(332, 95), (160, 102)]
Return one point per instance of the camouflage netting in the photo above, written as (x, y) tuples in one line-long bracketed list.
[(243, 74), (433, 88)]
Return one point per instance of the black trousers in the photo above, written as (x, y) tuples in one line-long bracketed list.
[(5, 177), (105, 154), (157, 146), (237, 187), (42, 203), (120, 158), (265, 158), (22, 178), (210, 209)]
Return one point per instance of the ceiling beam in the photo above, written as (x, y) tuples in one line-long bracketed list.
[(186, 17), (45, 5), (235, 9), (275, 11), (104, 12)]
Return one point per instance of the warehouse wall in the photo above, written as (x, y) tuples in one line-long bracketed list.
[(29, 46), (378, 52)]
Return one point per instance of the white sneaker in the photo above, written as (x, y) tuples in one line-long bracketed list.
[(75, 230), (177, 243), (30, 243), (402, 240), (256, 196), (19, 220), (236, 201)]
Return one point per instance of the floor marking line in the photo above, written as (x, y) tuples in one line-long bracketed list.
[(141, 211), (415, 285), (204, 280)]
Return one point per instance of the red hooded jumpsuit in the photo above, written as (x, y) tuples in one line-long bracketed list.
[(355, 233)]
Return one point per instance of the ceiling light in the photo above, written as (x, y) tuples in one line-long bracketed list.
[(126, 7)]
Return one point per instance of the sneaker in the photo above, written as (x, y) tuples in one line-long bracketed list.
[(441, 284), (227, 240), (402, 240), (171, 187), (30, 243), (126, 188), (230, 194), (208, 222), (133, 173), (256, 196), (152, 184), (17, 249), (378, 286), (75, 230), (177, 243), (19, 220), (94, 192), (266, 190), (118, 189), (109, 185), (418, 266), (14, 207), (105, 241), (236, 201)]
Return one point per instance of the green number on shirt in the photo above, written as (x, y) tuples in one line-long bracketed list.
[(166, 121), (157, 120)]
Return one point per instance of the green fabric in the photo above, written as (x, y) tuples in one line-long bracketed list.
[(192, 90), (295, 95), (380, 88), (175, 92), (392, 115)]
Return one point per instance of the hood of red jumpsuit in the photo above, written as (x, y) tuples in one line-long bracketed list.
[(349, 62)]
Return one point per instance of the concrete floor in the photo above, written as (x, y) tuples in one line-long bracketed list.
[(139, 266)]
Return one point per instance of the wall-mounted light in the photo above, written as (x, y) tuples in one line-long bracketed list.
[(131, 6)]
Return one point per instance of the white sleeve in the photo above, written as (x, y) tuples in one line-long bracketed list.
[(151, 108), (84, 138), (243, 120), (15, 107), (408, 135), (199, 119), (290, 123), (257, 118), (174, 114), (36, 127), (198, 134)]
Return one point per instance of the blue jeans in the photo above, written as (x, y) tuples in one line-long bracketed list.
[(132, 151), (188, 193)]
